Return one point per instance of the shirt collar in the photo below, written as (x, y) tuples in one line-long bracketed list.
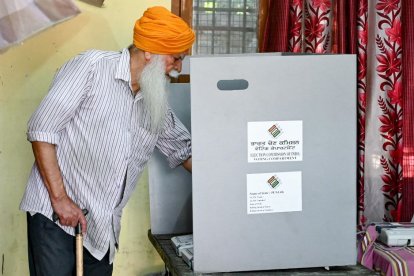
[(124, 70)]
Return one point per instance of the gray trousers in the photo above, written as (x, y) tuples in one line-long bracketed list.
[(52, 251)]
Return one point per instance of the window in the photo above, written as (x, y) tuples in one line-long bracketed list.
[(225, 26)]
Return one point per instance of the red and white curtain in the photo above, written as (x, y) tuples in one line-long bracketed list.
[(381, 34)]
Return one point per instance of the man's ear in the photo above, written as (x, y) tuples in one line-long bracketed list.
[(147, 56)]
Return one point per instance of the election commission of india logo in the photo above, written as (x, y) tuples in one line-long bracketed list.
[(275, 131), (274, 181)]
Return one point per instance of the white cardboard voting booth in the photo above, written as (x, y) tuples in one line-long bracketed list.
[(170, 189), (274, 164)]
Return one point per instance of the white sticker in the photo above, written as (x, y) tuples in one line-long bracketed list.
[(274, 192), (274, 141)]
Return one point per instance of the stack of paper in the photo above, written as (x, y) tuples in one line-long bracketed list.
[(182, 242)]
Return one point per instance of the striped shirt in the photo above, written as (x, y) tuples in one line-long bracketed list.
[(101, 132)]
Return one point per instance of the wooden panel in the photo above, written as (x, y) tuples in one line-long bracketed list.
[(184, 9), (181, 79), (175, 7)]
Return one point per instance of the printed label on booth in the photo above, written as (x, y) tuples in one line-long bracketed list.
[(274, 192), (275, 141)]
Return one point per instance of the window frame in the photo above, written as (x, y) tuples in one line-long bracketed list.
[(184, 9)]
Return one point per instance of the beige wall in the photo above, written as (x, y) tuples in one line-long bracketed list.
[(25, 73)]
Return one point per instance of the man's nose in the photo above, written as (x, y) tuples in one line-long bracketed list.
[(178, 65)]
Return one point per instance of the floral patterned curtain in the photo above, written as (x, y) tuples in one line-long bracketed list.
[(373, 31), (383, 122)]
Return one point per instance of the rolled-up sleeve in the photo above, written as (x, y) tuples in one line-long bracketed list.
[(174, 141), (67, 91)]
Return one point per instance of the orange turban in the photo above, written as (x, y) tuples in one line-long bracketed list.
[(159, 31)]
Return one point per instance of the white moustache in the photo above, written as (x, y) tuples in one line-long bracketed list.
[(173, 74)]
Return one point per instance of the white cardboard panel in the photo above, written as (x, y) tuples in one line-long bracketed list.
[(318, 90), (170, 189)]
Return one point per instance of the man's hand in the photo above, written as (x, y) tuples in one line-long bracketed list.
[(188, 164), (69, 213)]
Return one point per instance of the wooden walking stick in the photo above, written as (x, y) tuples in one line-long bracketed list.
[(79, 247), (79, 244)]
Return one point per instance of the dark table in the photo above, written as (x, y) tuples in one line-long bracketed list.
[(177, 267)]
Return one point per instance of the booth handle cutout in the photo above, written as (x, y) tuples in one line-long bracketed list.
[(237, 84)]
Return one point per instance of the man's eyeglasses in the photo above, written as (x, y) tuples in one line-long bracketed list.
[(181, 57)]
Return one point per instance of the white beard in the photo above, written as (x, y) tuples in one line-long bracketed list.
[(153, 85)]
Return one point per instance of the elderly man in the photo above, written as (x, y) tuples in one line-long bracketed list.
[(92, 136)]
